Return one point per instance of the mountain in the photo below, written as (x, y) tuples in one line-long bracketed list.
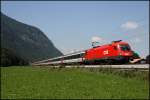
[(27, 41)]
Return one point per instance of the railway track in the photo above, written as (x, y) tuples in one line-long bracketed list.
[(126, 66), (130, 66)]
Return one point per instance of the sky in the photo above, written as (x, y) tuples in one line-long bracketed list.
[(73, 25)]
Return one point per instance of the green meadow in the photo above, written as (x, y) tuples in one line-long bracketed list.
[(69, 83)]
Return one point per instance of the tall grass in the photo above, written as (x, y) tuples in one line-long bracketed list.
[(69, 83)]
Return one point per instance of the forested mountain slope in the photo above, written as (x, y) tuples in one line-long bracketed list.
[(28, 42)]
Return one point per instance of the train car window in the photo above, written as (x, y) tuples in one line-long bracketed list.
[(56, 59), (77, 56), (72, 57), (65, 58), (82, 54), (68, 57)]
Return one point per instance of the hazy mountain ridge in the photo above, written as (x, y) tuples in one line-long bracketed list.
[(25, 40)]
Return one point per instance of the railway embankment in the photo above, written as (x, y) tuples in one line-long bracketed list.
[(139, 71)]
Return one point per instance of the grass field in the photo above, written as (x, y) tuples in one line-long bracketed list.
[(32, 82)]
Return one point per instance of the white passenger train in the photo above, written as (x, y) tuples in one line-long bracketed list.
[(76, 57)]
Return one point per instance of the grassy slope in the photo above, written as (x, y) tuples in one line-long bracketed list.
[(30, 82)]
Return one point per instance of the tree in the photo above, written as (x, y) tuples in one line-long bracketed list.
[(9, 58)]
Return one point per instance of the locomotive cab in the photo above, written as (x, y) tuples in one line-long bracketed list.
[(122, 47), (124, 51)]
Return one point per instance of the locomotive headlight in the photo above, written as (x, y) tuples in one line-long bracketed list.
[(120, 53), (126, 54)]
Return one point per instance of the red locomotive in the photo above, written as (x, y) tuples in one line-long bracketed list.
[(117, 51)]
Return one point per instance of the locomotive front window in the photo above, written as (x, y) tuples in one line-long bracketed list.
[(124, 47)]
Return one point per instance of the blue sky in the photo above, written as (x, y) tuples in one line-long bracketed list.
[(72, 25)]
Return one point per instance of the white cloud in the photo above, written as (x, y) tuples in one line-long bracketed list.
[(130, 25), (66, 50), (96, 39)]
